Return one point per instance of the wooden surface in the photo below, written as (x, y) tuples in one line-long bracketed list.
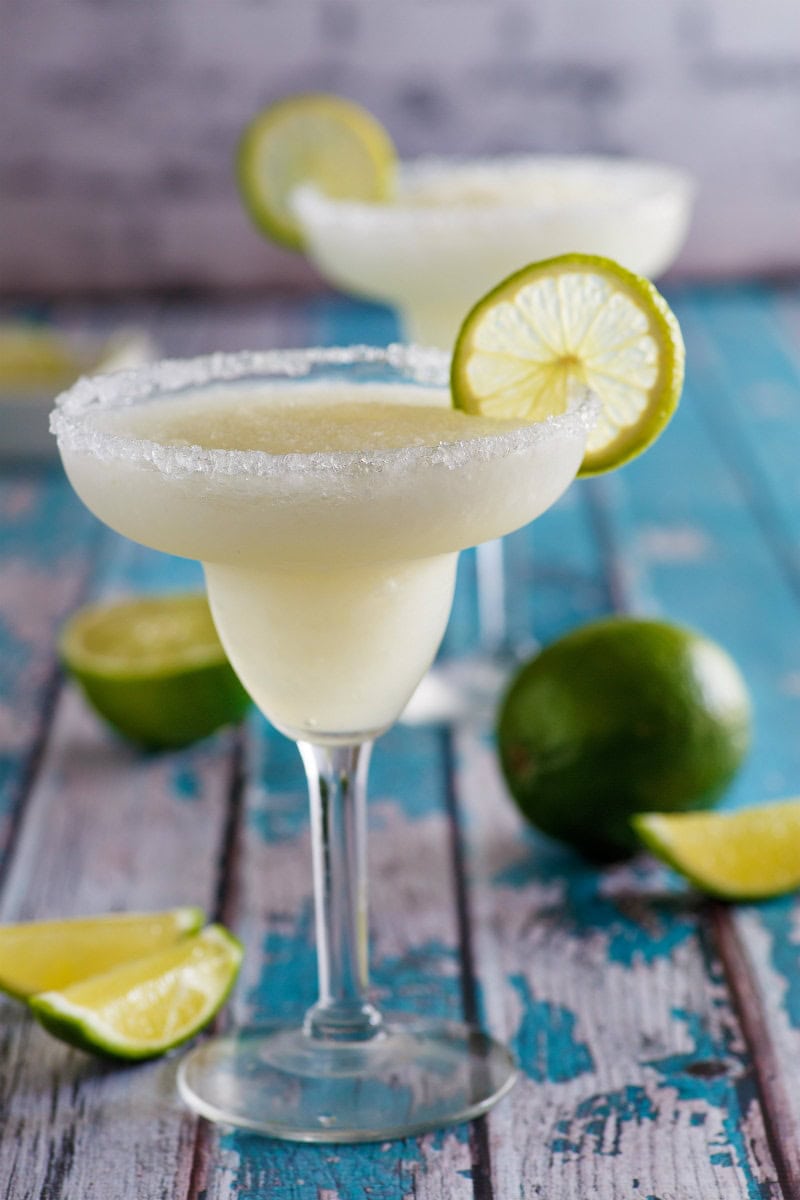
[(658, 1034)]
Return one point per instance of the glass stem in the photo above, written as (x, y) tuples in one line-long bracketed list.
[(337, 784)]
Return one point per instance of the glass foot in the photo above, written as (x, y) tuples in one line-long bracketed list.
[(412, 1077)]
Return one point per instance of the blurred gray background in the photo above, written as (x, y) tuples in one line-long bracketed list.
[(119, 118)]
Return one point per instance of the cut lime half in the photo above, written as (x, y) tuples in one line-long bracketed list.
[(154, 667), (576, 319), (147, 1006), (326, 141), (752, 854), (36, 956)]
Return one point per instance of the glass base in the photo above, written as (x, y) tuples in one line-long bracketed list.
[(412, 1077)]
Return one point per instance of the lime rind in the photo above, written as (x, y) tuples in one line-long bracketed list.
[(154, 668), (68, 1015), (575, 316), (312, 138), (746, 855)]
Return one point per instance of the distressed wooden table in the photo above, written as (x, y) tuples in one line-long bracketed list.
[(658, 1034)]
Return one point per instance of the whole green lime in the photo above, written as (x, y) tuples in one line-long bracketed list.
[(621, 716)]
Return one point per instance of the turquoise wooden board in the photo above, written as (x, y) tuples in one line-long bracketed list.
[(407, 776), (47, 547), (578, 967)]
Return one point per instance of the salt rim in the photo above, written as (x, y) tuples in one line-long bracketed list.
[(657, 181), (71, 423)]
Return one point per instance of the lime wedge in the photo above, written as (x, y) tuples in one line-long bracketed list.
[(583, 319), (322, 140), (154, 668), (148, 1006), (37, 956), (748, 855)]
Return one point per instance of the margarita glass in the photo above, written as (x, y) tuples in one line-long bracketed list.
[(453, 229), (327, 494)]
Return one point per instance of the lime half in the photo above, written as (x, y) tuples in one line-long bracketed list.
[(154, 668), (326, 141), (36, 956), (748, 855), (577, 319), (147, 1006)]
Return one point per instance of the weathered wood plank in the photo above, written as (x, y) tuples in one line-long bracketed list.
[(415, 948), (610, 984), (638, 1080), (748, 400), (415, 960), (615, 1003), (47, 548), (104, 827)]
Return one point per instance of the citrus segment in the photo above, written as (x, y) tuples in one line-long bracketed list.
[(147, 1006), (36, 956), (578, 319), (326, 141), (154, 667), (748, 855)]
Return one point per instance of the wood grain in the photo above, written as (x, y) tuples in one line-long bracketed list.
[(102, 827), (415, 962), (659, 1038)]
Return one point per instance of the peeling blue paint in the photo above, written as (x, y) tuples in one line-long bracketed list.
[(367, 1172), (406, 768), (777, 919), (186, 782), (545, 1044), (425, 979), (635, 927), (597, 1125), (285, 1172), (728, 1089)]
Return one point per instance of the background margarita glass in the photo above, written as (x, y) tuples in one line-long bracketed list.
[(451, 231), (329, 538)]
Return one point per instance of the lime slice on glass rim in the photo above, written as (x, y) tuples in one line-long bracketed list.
[(154, 668), (147, 1006), (575, 319), (313, 138), (36, 956), (752, 854)]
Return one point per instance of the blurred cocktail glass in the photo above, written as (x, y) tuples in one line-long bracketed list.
[(452, 230)]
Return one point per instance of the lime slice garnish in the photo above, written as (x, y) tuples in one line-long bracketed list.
[(747, 855), (36, 956), (579, 318), (154, 668), (148, 1006), (326, 141), (34, 358)]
